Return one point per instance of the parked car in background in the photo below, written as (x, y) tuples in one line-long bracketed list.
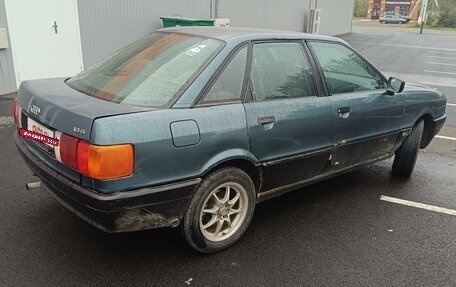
[(192, 127), (407, 18), (392, 19), (397, 15)]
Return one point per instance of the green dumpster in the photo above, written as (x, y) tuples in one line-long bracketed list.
[(177, 21)]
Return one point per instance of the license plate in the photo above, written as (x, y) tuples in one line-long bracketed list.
[(39, 133)]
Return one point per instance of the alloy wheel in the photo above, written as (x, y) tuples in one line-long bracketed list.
[(223, 212)]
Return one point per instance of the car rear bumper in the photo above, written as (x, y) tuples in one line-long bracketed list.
[(146, 208), (432, 130)]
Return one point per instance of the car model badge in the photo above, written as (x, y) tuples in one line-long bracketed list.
[(35, 110), (79, 130)]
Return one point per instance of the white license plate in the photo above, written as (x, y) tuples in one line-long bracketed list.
[(40, 129)]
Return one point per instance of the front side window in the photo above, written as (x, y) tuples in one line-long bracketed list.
[(228, 87), (280, 71), (148, 72), (344, 71)]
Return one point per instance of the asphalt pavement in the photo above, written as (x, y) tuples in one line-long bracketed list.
[(335, 233)]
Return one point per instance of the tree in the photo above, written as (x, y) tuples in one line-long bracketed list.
[(443, 13), (361, 7)]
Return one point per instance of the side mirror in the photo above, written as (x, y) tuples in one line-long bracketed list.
[(394, 86)]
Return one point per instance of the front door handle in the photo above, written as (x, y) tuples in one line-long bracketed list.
[(344, 112), (266, 120)]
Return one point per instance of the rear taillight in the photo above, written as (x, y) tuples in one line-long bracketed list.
[(83, 157), (17, 113), (97, 162), (68, 150)]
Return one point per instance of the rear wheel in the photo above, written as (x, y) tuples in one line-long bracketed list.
[(384, 22), (220, 210), (406, 155)]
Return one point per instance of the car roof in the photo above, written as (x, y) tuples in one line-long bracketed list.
[(235, 34)]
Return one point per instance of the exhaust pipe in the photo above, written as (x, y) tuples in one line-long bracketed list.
[(175, 223), (33, 185)]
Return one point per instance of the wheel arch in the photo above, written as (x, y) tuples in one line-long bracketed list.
[(240, 159), (428, 131), (255, 172)]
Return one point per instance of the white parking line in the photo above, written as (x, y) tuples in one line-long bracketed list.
[(449, 53), (405, 46), (444, 64), (438, 84), (439, 57), (419, 205), (439, 72), (446, 138), (452, 105)]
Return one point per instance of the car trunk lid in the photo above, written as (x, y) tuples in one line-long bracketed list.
[(53, 103), (50, 108)]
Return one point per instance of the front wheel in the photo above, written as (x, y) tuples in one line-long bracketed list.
[(220, 210), (406, 155)]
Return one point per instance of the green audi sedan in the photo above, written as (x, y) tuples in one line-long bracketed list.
[(191, 127)]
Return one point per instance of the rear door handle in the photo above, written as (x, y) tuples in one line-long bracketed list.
[(344, 112), (266, 120)]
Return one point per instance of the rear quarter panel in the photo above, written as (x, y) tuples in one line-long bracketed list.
[(158, 160)]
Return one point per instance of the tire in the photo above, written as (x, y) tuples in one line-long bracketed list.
[(211, 212), (406, 155), (384, 22)]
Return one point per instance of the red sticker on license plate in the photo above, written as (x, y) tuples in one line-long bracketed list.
[(38, 137)]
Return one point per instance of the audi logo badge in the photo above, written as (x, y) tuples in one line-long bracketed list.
[(35, 110)]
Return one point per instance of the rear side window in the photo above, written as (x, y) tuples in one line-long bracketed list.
[(228, 86), (280, 71), (148, 72), (344, 71)]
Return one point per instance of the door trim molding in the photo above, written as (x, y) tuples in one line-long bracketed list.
[(284, 189), (297, 157)]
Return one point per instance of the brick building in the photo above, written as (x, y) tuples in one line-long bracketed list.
[(405, 7)]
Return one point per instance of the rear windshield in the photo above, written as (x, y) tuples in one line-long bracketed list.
[(149, 72)]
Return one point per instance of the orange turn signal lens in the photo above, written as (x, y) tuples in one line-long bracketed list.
[(96, 161), (109, 162)]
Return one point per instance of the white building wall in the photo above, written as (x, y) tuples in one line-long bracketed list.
[(271, 14), (7, 78), (336, 16), (107, 25), (292, 15)]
